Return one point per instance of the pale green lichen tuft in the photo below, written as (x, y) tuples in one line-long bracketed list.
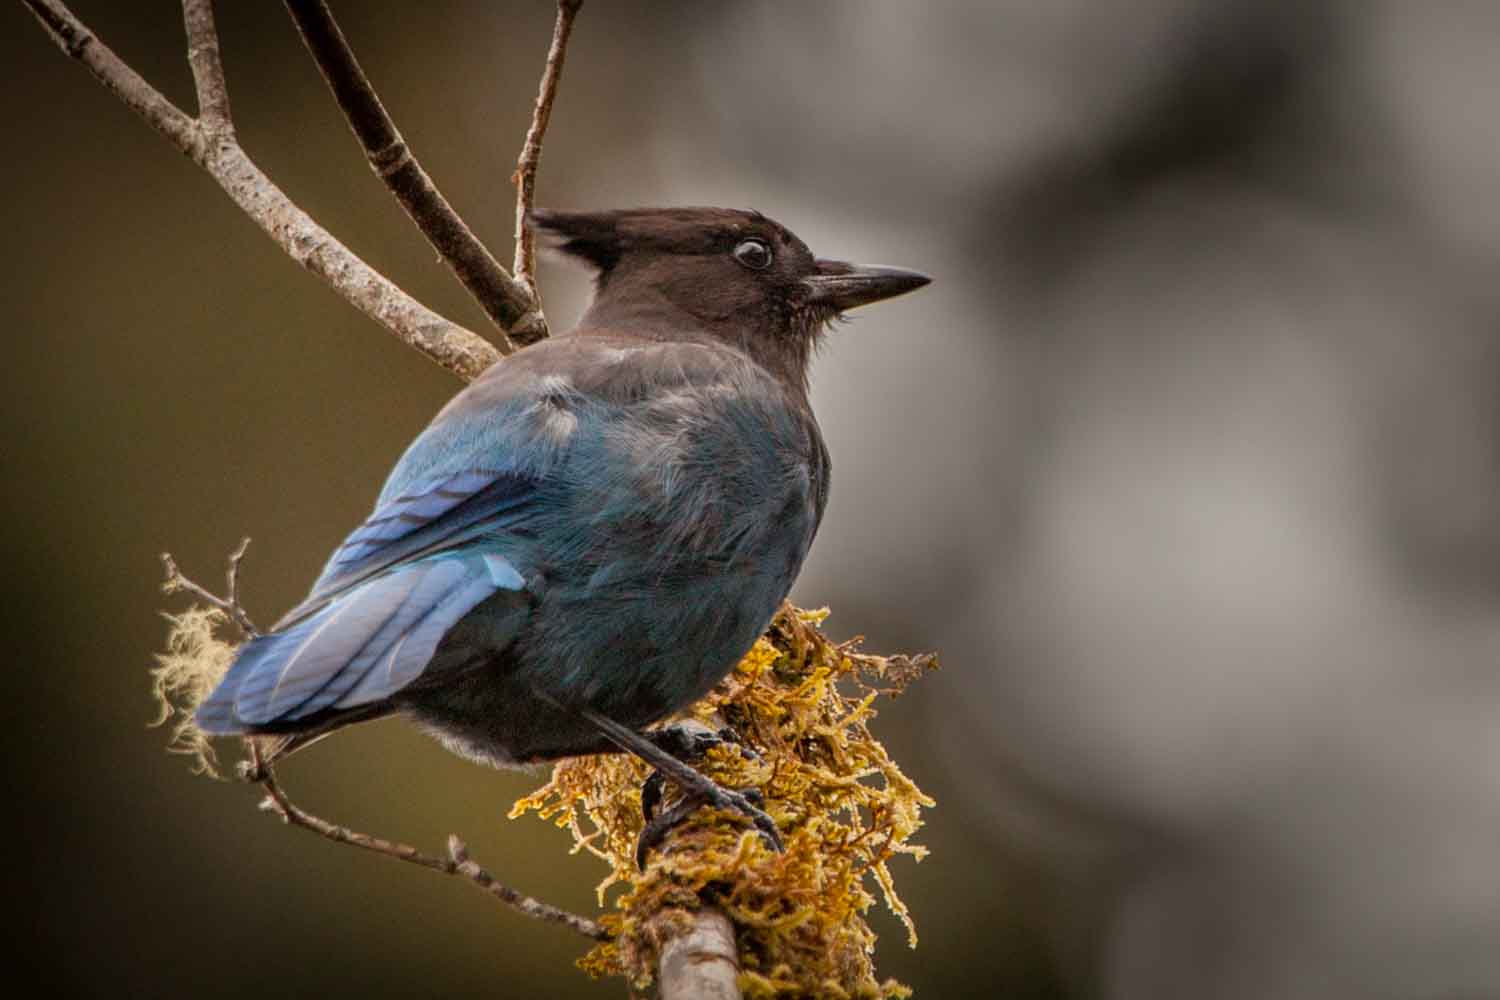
[(845, 810), (194, 663)]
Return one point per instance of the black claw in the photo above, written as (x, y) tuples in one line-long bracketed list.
[(656, 830)]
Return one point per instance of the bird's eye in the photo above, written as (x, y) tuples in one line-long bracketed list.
[(754, 254)]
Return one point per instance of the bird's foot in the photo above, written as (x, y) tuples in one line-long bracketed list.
[(687, 742), (658, 824), (656, 748)]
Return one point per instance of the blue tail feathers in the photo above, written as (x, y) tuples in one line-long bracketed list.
[(362, 648)]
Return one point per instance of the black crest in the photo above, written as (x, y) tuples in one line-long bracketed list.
[(590, 236)]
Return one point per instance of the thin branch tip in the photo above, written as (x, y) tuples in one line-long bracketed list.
[(524, 176), (176, 582)]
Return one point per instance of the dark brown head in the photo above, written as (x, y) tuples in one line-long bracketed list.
[(736, 277)]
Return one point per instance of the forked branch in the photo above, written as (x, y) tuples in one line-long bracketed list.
[(229, 603), (209, 141)]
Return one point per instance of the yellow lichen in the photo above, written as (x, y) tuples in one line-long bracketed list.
[(192, 666), (843, 807)]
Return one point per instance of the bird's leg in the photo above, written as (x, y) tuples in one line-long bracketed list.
[(697, 789), (689, 741)]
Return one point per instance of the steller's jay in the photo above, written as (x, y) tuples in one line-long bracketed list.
[(590, 536)]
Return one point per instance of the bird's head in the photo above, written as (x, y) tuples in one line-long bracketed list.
[(733, 276)]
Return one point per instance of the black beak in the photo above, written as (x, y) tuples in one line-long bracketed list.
[(841, 286)]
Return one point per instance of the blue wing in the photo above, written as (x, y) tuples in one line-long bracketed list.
[(360, 648), (431, 516), (424, 559)]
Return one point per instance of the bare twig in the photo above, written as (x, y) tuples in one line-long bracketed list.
[(229, 604), (458, 852), (524, 177), (210, 143), (702, 962), (277, 802), (510, 303), (232, 582), (458, 862)]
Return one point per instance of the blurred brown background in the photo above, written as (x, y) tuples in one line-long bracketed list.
[(1188, 463)]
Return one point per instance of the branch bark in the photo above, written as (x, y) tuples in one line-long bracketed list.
[(210, 143), (511, 304), (701, 963), (457, 863), (207, 65)]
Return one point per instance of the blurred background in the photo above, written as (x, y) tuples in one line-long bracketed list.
[(1188, 464)]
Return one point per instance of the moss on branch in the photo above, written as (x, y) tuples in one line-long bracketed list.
[(845, 809)]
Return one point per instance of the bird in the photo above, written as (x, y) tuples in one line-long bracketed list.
[(589, 536)]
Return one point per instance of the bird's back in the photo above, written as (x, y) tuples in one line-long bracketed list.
[(679, 487)]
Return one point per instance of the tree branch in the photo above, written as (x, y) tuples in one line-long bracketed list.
[(457, 349), (218, 152), (702, 962), (511, 304), (458, 852), (524, 177), (458, 862)]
